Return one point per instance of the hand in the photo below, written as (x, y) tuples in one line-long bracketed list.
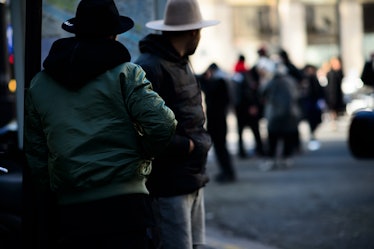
[(192, 146), (253, 110)]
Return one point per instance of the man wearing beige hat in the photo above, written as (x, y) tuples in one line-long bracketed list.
[(178, 176)]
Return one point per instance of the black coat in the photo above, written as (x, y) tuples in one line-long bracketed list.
[(176, 172), (247, 95), (311, 93), (217, 100), (334, 93), (367, 75)]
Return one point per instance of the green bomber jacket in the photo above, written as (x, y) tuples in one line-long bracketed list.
[(82, 144)]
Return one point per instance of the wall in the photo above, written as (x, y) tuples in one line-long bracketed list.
[(220, 43)]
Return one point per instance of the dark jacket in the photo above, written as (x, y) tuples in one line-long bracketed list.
[(367, 75), (281, 104), (247, 96), (176, 172), (217, 96), (334, 94), (311, 99), (79, 140)]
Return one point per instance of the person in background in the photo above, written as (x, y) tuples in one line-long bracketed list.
[(333, 91), (248, 107), (179, 176), (367, 75), (282, 114), (297, 74), (240, 64), (80, 142), (215, 85), (261, 71), (312, 100)]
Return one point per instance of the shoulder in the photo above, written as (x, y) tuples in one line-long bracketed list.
[(39, 81), (130, 66), (129, 69), (149, 62), (38, 77), (148, 59)]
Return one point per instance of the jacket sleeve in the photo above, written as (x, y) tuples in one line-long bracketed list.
[(149, 110), (35, 145), (180, 144)]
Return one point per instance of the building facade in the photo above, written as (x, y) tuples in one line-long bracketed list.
[(311, 31)]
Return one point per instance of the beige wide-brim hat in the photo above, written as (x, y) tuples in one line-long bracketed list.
[(181, 15)]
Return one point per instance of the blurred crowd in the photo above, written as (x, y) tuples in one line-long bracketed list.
[(274, 91)]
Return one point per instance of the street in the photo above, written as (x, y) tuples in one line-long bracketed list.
[(326, 201)]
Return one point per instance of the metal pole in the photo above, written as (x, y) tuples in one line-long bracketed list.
[(4, 67), (33, 39), (5, 101), (33, 220), (17, 9)]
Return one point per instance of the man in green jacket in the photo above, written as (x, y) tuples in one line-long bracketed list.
[(80, 142)]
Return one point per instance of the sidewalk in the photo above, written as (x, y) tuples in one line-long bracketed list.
[(217, 236), (219, 240)]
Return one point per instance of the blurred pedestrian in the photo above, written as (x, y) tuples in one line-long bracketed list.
[(312, 100), (177, 183), (261, 71), (240, 64), (295, 73), (215, 84), (80, 142), (367, 75), (282, 114), (333, 91), (248, 107)]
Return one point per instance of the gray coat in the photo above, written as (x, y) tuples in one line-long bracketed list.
[(281, 104)]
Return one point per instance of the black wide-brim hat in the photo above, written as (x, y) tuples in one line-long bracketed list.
[(97, 18)]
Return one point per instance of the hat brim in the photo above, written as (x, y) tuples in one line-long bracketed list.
[(160, 25), (126, 24)]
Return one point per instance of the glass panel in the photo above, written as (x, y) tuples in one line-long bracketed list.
[(322, 24), (55, 12), (254, 21), (368, 10)]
